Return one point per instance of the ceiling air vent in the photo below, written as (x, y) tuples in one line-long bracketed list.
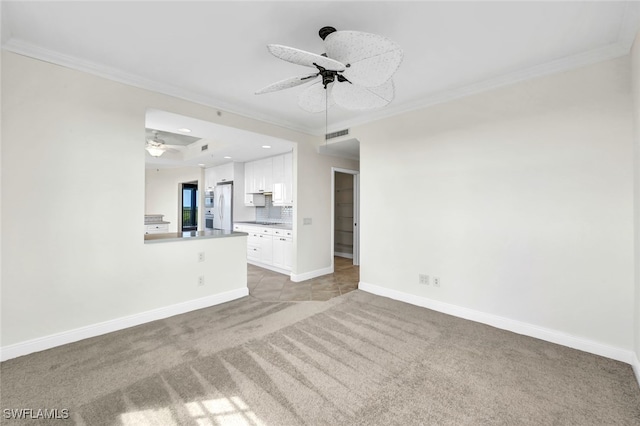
[(337, 134), (204, 147)]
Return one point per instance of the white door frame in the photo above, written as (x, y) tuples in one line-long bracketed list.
[(356, 212)]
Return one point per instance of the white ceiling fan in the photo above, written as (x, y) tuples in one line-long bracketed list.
[(354, 73), (156, 146)]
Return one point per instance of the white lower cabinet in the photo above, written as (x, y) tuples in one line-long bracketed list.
[(266, 249), (282, 248), (157, 228), (253, 246), (271, 248)]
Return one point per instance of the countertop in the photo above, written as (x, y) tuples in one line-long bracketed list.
[(192, 235), (267, 224)]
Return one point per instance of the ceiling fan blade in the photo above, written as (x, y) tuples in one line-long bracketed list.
[(354, 97), (301, 57), (314, 98), (371, 59), (374, 71), (287, 83)]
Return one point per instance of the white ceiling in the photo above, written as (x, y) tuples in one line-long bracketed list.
[(222, 141), (214, 52)]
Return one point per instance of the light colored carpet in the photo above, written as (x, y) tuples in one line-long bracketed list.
[(357, 359)]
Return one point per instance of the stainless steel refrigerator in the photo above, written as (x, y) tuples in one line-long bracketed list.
[(223, 206)]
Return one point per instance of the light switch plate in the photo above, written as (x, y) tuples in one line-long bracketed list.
[(306, 221)]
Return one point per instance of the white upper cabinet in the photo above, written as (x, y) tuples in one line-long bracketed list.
[(283, 180), (213, 175), (249, 177), (278, 168), (209, 178), (263, 170), (271, 175), (258, 176), (224, 173)]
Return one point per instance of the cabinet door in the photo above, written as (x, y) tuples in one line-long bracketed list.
[(288, 253), (267, 170), (263, 175), (278, 251), (258, 177), (278, 168), (288, 178), (224, 173), (278, 196), (282, 252), (253, 253), (253, 245), (249, 183), (209, 178), (266, 249)]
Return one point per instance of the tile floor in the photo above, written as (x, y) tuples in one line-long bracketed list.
[(267, 285)]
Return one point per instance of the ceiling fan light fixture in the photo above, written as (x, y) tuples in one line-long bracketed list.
[(155, 150)]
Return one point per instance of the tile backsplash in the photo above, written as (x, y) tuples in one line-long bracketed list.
[(274, 214)]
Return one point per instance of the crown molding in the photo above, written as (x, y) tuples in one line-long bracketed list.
[(561, 65), (36, 52), (629, 27)]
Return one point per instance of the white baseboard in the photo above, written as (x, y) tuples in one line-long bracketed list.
[(515, 326), (270, 267), (59, 339), (636, 367), (345, 255), (312, 274)]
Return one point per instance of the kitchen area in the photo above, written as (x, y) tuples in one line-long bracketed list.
[(241, 183), (255, 197)]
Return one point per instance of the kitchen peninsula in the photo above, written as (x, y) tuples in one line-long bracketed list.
[(191, 235), (269, 244)]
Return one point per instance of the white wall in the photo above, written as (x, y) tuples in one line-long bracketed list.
[(313, 189), (72, 241), (635, 73), (519, 199), (163, 194), (85, 261)]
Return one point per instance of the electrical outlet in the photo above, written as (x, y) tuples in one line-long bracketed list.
[(201, 256), (200, 280), (423, 279), (436, 281)]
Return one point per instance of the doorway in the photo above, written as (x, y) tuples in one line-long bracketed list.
[(189, 210), (345, 214)]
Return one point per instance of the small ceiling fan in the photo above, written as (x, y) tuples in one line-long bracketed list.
[(354, 73), (156, 146)]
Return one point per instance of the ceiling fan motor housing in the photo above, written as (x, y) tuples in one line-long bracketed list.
[(325, 31)]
